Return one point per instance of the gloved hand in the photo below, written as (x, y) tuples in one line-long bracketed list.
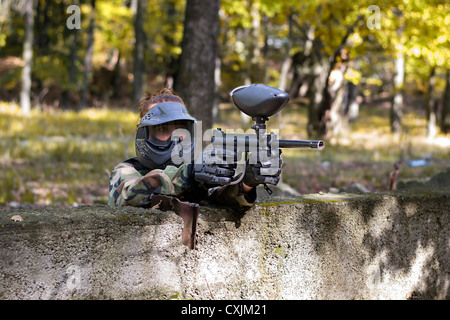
[(212, 168), (265, 172)]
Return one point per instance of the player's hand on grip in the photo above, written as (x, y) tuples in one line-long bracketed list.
[(267, 171), (215, 167)]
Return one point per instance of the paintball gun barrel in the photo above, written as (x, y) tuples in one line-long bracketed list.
[(246, 141), (313, 144)]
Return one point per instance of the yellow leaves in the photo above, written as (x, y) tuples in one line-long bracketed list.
[(374, 82), (353, 76), (176, 50), (355, 39), (235, 7), (415, 51), (271, 8), (9, 107), (443, 39), (2, 39), (422, 28), (114, 29)]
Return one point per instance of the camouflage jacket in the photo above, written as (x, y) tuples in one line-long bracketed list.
[(133, 184)]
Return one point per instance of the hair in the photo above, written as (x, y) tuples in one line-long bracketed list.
[(162, 95)]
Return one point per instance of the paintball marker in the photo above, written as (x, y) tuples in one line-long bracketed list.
[(259, 102)]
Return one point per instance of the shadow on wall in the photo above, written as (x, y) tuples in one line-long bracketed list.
[(403, 246), (413, 241)]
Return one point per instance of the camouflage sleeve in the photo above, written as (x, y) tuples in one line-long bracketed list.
[(129, 186)]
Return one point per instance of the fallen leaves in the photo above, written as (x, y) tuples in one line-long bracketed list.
[(16, 218)]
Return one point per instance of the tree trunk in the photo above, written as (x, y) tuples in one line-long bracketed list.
[(315, 95), (337, 119), (138, 53), (88, 58), (116, 77), (42, 23), (397, 102), (253, 44), (217, 85), (285, 68), (430, 105), (287, 61), (445, 120), (301, 79), (195, 79), (66, 94), (396, 111), (25, 92), (253, 52), (265, 49), (351, 104), (326, 104)]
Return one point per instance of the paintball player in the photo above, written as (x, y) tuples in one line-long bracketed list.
[(153, 171)]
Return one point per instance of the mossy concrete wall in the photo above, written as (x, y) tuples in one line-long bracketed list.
[(323, 246)]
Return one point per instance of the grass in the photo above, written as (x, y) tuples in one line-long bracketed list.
[(367, 153), (64, 158), (61, 157)]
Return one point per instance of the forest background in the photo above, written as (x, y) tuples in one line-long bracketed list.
[(371, 78)]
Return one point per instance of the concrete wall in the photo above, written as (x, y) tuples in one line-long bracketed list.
[(323, 246)]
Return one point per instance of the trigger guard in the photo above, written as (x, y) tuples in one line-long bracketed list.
[(241, 177)]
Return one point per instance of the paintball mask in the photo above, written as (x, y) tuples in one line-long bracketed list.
[(154, 148)]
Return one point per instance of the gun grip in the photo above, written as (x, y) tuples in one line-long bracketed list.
[(238, 178)]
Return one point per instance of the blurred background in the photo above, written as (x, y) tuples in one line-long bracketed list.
[(370, 78)]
